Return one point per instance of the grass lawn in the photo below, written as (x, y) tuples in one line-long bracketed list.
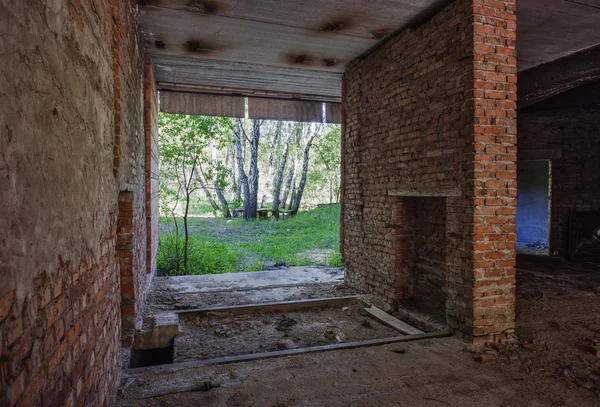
[(219, 245)]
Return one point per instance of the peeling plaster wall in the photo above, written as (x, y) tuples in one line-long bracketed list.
[(63, 105)]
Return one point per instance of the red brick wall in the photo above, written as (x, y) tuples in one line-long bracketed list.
[(74, 118), (433, 112), (64, 345), (151, 162), (131, 251), (566, 126)]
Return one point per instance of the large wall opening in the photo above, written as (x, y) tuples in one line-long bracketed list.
[(533, 206)]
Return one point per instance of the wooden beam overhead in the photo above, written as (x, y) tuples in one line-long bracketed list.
[(248, 78), (201, 104), (290, 110), (551, 79), (333, 113)]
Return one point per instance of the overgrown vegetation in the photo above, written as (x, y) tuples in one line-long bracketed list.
[(216, 167), (218, 245)]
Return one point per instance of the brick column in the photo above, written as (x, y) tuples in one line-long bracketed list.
[(494, 169), (432, 113)]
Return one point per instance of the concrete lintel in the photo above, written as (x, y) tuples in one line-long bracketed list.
[(555, 154)]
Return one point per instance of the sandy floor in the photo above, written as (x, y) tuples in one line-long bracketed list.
[(267, 332), (551, 365)]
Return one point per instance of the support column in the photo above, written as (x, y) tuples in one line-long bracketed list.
[(432, 114)]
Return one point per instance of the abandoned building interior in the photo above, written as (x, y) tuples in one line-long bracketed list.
[(470, 184)]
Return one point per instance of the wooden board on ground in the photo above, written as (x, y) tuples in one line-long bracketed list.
[(285, 306), (392, 322), (288, 352)]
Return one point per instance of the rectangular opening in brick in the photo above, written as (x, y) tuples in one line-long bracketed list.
[(533, 206), (423, 249)]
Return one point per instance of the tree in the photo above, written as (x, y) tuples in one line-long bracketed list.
[(328, 156), (187, 163), (297, 196), (278, 175), (249, 180)]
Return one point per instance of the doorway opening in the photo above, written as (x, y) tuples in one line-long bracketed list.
[(534, 179)]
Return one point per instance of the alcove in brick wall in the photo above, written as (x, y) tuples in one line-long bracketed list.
[(420, 244)]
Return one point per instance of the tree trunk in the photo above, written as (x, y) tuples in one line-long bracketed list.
[(240, 147), (302, 182), (288, 183), (272, 161), (223, 201), (279, 178), (237, 189), (293, 196), (251, 203), (185, 228)]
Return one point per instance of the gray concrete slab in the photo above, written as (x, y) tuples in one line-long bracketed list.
[(288, 276)]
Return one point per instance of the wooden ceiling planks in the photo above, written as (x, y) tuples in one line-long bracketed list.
[(374, 19), (182, 33), (320, 37), (291, 110), (247, 78), (298, 48), (202, 105)]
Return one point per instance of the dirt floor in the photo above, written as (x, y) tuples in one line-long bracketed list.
[(265, 332), (553, 362)]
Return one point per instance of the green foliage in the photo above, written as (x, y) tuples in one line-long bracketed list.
[(250, 245), (205, 256), (187, 146)]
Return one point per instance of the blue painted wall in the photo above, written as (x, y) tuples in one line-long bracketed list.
[(532, 201)]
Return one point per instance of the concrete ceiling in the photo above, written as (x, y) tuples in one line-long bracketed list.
[(551, 29), (300, 48)]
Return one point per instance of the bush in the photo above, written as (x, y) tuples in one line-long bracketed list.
[(205, 256)]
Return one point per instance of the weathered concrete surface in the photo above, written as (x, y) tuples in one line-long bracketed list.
[(428, 373), (243, 281), (551, 365), (158, 331)]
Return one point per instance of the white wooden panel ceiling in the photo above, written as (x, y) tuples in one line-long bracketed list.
[(300, 48), (289, 48)]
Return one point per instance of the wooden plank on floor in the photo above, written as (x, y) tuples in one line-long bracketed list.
[(392, 322), (288, 352), (284, 306)]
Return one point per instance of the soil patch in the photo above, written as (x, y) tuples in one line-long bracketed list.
[(206, 337)]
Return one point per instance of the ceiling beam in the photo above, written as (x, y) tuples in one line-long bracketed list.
[(559, 76)]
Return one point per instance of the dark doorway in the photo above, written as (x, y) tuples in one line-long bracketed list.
[(533, 206)]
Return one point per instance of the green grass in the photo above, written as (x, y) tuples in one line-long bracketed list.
[(218, 245)]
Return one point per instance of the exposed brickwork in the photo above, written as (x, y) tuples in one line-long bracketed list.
[(131, 94), (566, 126), (151, 165), (74, 114), (429, 254), (434, 110), (63, 346), (131, 251)]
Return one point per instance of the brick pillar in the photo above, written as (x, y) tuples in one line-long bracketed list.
[(432, 113), (494, 169), (125, 254)]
